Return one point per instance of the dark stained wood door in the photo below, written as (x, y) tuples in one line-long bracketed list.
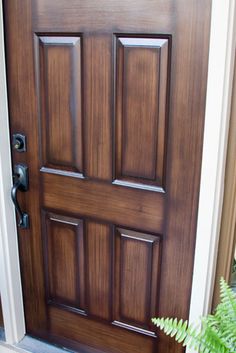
[(111, 96)]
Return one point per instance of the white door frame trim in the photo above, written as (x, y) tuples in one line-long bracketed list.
[(219, 89), (217, 116)]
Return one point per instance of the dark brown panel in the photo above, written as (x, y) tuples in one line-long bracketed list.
[(127, 206), (106, 338), (103, 16), (61, 103), (64, 259), (99, 237), (98, 94), (136, 278), (141, 109)]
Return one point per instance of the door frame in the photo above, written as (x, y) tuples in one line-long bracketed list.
[(219, 90), (227, 240)]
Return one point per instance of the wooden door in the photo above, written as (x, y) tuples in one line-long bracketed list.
[(111, 96)]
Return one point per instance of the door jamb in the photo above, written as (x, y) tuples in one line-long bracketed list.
[(219, 89)]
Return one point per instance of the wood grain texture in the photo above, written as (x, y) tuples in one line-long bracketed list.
[(99, 269), (98, 106), (64, 260), (129, 207), (141, 109), (63, 191), (102, 339), (23, 110), (61, 101), (136, 278)]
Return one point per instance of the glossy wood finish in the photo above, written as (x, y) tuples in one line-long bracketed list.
[(97, 334), (59, 81), (111, 96), (92, 199), (64, 274), (99, 269), (98, 105), (141, 71), (136, 278)]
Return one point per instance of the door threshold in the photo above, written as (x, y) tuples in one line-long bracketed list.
[(29, 345), (2, 334)]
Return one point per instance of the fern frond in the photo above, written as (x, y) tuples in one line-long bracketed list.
[(191, 336), (227, 308), (217, 332)]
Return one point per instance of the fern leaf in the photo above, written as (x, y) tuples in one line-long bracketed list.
[(217, 333)]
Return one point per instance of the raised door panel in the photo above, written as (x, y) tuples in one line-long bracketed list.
[(137, 264), (141, 111), (120, 298), (64, 260), (102, 272), (59, 79)]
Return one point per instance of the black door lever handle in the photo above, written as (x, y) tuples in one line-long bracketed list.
[(21, 183)]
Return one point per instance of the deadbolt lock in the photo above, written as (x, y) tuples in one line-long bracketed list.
[(19, 142)]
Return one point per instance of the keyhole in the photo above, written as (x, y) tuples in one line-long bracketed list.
[(19, 142)]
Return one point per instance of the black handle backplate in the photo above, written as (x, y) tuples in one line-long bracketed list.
[(21, 182)]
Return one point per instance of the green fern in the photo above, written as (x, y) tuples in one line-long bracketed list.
[(215, 334)]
